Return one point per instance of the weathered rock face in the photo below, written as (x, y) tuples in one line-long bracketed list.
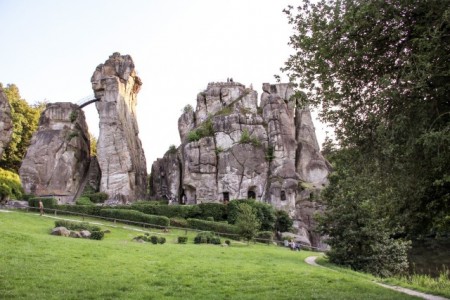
[(58, 157), (119, 150), (233, 149), (6, 125)]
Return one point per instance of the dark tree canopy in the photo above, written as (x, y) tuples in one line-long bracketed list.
[(378, 71)]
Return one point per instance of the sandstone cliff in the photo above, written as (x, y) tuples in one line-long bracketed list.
[(119, 150), (234, 149), (6, 125), (58, 156)]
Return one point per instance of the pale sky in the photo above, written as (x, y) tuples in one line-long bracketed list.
[(50, 48)]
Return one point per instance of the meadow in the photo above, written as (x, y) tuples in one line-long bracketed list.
[(37, 265)]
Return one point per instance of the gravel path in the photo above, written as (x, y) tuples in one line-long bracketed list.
[(311, 260)]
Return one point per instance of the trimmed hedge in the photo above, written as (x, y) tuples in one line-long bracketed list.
[(206, 238), (170, 211), (47, 202), (178, 222), (98, 197), (182, 239), (84, 201), (217, 211), (221, 228), (135, 216), (80, 209)]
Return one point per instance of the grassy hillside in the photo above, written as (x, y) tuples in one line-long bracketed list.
[(36, 265)]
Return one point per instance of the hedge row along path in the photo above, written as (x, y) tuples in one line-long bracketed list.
[(311, 260)]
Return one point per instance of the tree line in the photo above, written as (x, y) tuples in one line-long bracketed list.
[(378, 73)]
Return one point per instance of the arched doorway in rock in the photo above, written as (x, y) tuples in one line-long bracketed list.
[(226, 197), (251, 194), (283, 195)]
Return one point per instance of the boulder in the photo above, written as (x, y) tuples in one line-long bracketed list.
[(6, 125), (85, 234), (58, 156), (61, 231), (75, 234)]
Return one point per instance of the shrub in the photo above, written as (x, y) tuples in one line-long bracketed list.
[(10, 186), (264, 237), (77, 225), (154, 239), (172, 149), (247, 222), (97, 235), (193, 136), (211, 219), (161, 240), (98, 197), (228, 242), (215, 240), (170, 211), (188, 108), (83, 201), (283, 222), (178, 222), (205, 238), (182, 239), (222, 228), (135, 216), (217, 211), (264, 212), (47, 202)]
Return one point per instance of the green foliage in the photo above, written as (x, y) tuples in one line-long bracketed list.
[(182, 239), (135, 216), (10, 186), (221, 228), (205, 129), (25, 122), (71, 225), (217, 211), (73, 116), (72, 134), (170, 211), (90, 210), (178, 222), (379, 72), (264, 212), (188, 108), (161, 240), (264, 237), (93, 145), (172, 149), (206, 238), (99, 197), (97, 235), (225, 111), (283, 222), (83, 201), (228, 242), (270, 153), (246, 138), (154, 239), (47, 202), (247, 222)]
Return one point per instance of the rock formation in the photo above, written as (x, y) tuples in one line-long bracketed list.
[(6, 125), (234, 149), (58, 156), (119, 151)]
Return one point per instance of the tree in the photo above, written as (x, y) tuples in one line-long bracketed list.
[(25, 122), (379, 73), (283, 223), (93, 145), (247, 222)]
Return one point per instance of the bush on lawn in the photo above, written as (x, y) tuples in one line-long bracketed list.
[(206, 237), (182, 239), (222, 228)]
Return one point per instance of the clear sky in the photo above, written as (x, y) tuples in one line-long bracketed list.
[(50, 49)]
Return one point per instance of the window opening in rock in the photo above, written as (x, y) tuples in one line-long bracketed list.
[(251, 195), (283, 195), (226, 197)]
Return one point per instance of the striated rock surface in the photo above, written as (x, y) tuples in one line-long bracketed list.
[(58, 156), (6, 125), (234, 149), (119, 150)]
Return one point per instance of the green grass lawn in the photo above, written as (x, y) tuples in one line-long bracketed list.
[(37, 265)]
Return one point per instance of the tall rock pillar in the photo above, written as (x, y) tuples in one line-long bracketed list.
[(119, 150)]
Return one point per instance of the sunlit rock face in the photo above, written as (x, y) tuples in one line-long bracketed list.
[(119, 149), (231, 148), (6, 125), (58, 156)]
